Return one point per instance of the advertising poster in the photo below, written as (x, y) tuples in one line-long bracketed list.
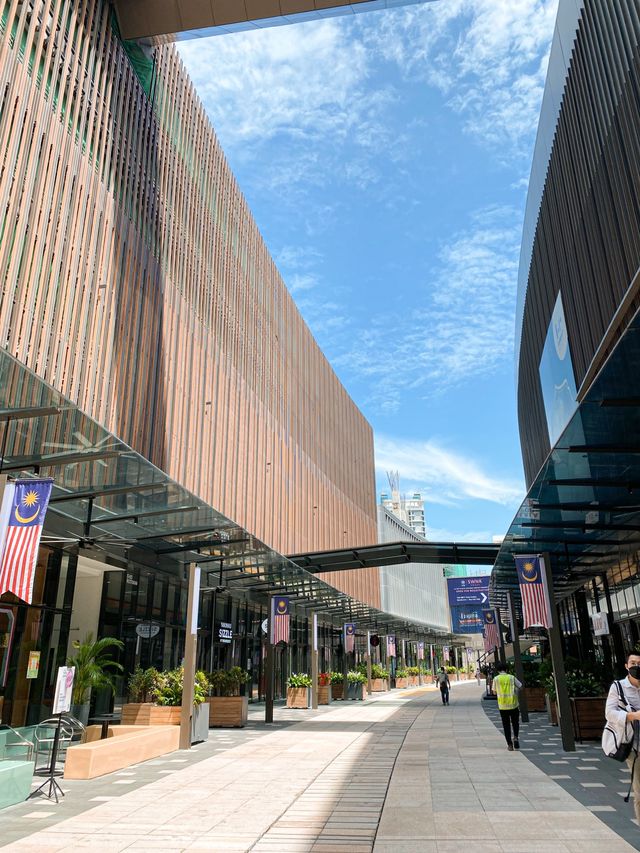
[(33, 665), (64, 688)]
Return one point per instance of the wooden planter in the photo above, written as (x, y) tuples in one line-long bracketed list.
[(379, 685), (324, 694), (228, 712), (298, 697), (535, 698), (148, 714), (337, 691), (401, 683), (552, 709), (587, 713), (413, 680)]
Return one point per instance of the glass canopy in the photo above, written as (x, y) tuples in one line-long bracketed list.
[(110, 498), (584, 505)]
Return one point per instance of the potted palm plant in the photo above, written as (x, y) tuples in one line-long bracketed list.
[(227, 708), (94, 667), (356, 685), (298, 690)]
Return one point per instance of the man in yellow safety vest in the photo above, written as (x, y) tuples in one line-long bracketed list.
[(506, 687)]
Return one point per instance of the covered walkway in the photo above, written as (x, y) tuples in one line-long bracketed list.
[(397, 773)]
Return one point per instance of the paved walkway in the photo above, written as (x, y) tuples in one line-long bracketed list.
[(397, 773)]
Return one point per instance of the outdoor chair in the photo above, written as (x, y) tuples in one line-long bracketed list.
[(44, 736)]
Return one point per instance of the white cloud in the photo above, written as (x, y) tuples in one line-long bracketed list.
[(442, 475), (461, 327)]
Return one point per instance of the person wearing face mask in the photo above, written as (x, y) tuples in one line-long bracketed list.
[(625, 722)]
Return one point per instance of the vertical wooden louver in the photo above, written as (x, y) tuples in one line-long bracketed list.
[(135, 281)]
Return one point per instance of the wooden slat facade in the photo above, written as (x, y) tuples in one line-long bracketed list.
[(135, 280), (587, 242)]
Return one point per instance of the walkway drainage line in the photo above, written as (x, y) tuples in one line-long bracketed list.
[(312, 782)]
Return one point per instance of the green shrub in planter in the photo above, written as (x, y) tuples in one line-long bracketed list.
[(354, 677), (227, 682), (141, 684), (378, 671), (413, 670), (402, 672), (450, 670), (168, 688), (337, 678), (300, 679)]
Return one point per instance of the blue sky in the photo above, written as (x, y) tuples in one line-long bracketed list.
[(385, 157)]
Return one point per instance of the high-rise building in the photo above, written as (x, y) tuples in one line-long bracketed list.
[(410, 510)]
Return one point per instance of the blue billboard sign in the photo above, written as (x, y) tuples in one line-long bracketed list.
[(466, 620), (474, 590)]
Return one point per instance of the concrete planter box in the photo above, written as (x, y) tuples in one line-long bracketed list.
[(324, 694), (535, 698), (228, 712), (148, 714), (356, 691), (337, 691), (402, 683), (379, 685), (552, 710), (200, 723), (298, 697), (587, 713)]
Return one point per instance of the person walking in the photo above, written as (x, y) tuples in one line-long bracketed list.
[(443, 684), (624, 721), (506, 687), (478, 676)]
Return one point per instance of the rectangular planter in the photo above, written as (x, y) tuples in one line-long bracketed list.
[(402, 683), (535, 698), (337, 691), (552, 710), (228, 712), (200, 723), (324, 694), (356, 691), (148, 714), (413, 681), (587, 713), (379, 685), (298, 697)]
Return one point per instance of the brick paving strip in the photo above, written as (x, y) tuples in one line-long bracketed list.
[(397, 773)]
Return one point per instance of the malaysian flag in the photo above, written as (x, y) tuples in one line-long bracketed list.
[(531, 577), (349, 635), (24, 506), (490, 632), (445, 653), (391, 647), (420, 651), (279, 620)]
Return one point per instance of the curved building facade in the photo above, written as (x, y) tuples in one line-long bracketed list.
[(135, 281), (578, 284)]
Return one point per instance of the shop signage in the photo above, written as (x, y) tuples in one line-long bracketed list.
[(64, 688), (600, 624), (147, 630), (224, 632), (33, 665), (474, 590)]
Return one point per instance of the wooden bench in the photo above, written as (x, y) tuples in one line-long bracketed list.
[(15, 781), (126, 745)]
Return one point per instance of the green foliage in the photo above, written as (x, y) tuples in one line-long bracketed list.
[(583, 678), (225, 682), (402, 672), (450, 670), (141, 684), (298, 679), (583, 685), (532, 673), (413, 670), (168, 688), (378, 671), (94, 666), (354, 677), (336, 677)]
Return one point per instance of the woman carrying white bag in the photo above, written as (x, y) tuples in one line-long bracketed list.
[(621, 733)]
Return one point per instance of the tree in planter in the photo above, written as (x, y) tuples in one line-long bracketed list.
[(228, 682), (94, 668), (168, 688), (227, 707), (141, 684)]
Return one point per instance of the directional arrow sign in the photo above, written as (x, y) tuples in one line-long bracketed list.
[(474, 590)]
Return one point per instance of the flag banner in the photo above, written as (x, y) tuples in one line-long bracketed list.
[(391, 647), (20, 532), (445, 654), (420, 651), (531, 577), (349, 636), (490, 629), (279, 620)]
